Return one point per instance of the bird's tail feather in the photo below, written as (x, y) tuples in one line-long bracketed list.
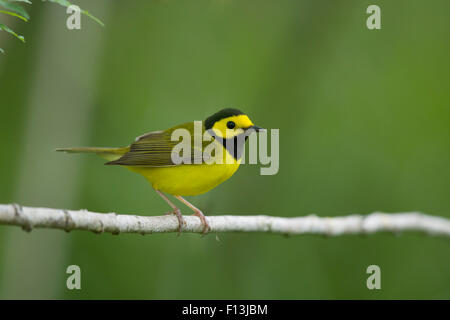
[(109, 154)]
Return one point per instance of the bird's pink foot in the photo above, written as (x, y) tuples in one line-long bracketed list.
[(206, 227), (181, 221)]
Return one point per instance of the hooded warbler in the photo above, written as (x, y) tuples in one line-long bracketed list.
[(152, 155)]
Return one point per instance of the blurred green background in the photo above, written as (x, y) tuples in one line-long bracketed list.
[(364, 126)]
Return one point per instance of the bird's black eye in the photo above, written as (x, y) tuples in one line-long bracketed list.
[(231, 125)]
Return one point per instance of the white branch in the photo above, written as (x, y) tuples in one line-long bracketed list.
[(29, 218)]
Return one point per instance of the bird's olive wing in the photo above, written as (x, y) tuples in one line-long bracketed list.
[(154, 149)]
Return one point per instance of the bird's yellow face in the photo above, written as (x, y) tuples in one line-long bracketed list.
[(232, 126)]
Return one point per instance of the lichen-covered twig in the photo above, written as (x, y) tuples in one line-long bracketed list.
[(29, 218)]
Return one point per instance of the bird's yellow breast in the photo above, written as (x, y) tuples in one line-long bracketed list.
[(187, 179), (191, 179)]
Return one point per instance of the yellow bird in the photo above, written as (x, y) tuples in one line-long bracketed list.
[(201, 167)]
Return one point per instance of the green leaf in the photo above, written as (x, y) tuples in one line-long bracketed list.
[(2, 51), (7, 29), (15, 8), (26, 1), (14, 14), (66, 3)]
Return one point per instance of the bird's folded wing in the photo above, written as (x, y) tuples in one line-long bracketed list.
[(154, 149)]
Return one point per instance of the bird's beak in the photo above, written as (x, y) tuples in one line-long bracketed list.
[(255, 128)]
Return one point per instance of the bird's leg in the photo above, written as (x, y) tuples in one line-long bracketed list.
[(197, 213), (175, 211)]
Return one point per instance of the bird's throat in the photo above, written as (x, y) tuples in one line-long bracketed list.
[(234, 145)]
